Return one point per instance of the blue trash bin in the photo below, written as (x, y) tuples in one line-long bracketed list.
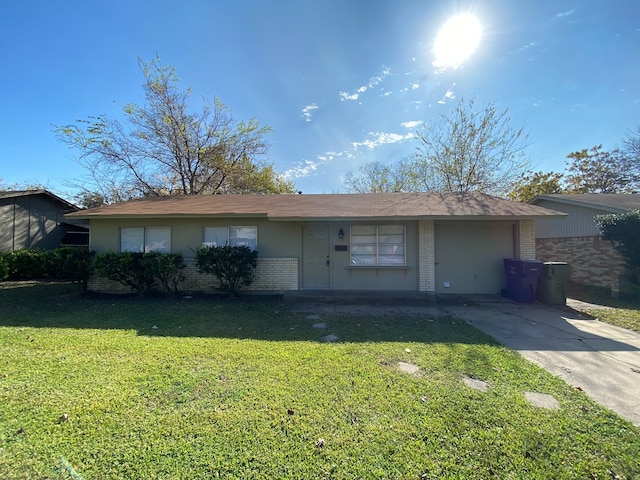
[(522, 279)]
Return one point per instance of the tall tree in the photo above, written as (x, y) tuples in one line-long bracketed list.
[(469, 150), (162, 148), (531, 184), (375, 177), (473, 150), (596, 170), (631, 147)]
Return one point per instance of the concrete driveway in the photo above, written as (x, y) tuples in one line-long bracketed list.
[(601, 359)]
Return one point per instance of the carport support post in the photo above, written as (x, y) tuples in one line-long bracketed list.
[(426, 256), (527, 239)]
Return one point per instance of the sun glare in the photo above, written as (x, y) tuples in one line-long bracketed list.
[(457, 40)]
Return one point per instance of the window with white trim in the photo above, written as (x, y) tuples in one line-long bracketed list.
[(378, 245), (145, 239), (233, 236)]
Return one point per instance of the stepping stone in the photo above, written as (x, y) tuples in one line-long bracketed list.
[(330, 338), (542, 400), (313, 317), (320, 325), (476, 384), (408, 368)]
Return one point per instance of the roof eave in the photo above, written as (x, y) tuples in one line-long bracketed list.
[(578, 203)]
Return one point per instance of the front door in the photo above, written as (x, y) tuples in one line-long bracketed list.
[(316, 267)]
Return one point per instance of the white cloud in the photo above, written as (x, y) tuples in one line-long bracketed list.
[(565, 14), (302, 169), (411, 124), (307, 110), (308, 167), (373, 81), (362, 89), (346, 96), (381, 138), (415, 86), (386, 94), (449, 95)]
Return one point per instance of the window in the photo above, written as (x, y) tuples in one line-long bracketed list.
[(233, 236), (378, 245), (147, 239)]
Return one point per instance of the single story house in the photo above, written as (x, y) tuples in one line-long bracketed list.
[(422, 242), (577, 239), (36, 219)]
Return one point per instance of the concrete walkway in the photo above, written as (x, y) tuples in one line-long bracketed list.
[(601, 359)]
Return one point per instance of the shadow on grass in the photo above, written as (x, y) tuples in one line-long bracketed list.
[(61, 305)]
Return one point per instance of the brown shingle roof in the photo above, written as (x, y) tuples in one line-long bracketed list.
[(322, 207)]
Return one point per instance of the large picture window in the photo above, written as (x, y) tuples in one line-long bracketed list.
[(233, 236), (145, 239), (378, 245)]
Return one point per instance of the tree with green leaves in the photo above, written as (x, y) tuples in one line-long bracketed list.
[(532, 183), (596, 170), (623, 229), (163, 148)]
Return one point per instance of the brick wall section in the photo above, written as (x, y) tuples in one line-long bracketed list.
[(274, 274), (527, 236), (426, 256), (594, 261)]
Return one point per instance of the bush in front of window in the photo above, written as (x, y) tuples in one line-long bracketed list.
[(144, 273), (233, 266)]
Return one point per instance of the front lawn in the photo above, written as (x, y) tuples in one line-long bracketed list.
[(125, 388), (623, 312)]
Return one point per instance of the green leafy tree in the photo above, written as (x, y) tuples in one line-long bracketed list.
[(596, 170), (232, 266), (163, 148), (531, 184), (623, 229)]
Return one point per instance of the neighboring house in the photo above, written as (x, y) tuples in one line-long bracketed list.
[(35, 219), (577, 239), (424, 242)]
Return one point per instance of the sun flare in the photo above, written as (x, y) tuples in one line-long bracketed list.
[(457, 40)]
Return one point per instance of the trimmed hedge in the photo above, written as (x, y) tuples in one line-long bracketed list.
[(64, 263), (144, 273), (232, 266)]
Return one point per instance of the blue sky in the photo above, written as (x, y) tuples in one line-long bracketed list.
[(341, 82)]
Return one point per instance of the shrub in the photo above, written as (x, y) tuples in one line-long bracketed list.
[(142, 272), (72, 263), (623, 229), (28, 264), (166, 268), (4, 266), (232, 266)]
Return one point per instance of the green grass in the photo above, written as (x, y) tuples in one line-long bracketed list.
[(202, 388), (623, 312)]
